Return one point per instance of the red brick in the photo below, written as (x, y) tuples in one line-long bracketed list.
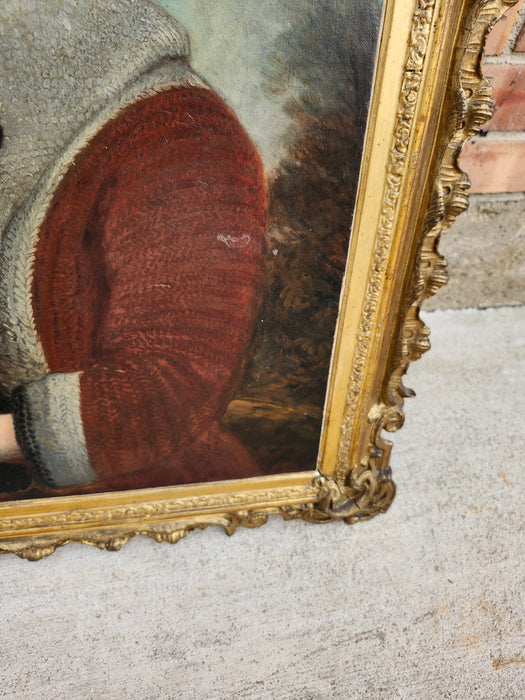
[(495, 166), (508, 82), (520, 43), (498, 37)]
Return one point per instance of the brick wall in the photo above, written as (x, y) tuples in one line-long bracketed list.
[(495, 160), (486, 246)]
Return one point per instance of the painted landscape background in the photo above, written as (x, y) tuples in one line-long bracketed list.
[(298, 74)]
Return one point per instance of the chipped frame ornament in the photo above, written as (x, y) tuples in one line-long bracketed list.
[(428, 98)]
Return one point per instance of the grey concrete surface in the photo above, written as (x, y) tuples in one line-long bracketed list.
[(485, 250), (425, 601)]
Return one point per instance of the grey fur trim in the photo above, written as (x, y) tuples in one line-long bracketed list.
[(56, 429), (61, 61)]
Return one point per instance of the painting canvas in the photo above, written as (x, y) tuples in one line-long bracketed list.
[(177, 184)]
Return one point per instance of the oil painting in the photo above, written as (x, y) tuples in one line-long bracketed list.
[(219, 220), (178, 181)]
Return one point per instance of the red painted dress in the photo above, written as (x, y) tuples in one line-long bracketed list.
[(144, 294)]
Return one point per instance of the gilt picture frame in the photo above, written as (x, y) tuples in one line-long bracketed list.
[(424, 97)]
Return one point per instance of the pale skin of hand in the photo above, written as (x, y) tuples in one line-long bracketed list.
[(9, 448)]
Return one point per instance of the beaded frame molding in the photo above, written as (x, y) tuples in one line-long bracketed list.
[(429, 97)]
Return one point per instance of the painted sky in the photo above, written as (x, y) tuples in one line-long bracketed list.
[(230, 41)]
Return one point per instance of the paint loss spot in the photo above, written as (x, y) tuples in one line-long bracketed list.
[(234, 241)]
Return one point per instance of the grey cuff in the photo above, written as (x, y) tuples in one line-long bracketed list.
[(49, 429)]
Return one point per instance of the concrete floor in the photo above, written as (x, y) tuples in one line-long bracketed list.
[(423, 602), (485, 250)]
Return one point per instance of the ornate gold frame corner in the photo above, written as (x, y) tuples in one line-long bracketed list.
[(429, 98)]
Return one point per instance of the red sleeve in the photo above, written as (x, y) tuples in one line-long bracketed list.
[(180, 225)]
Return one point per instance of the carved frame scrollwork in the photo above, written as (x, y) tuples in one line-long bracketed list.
[(423, 191), (368, 488)]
